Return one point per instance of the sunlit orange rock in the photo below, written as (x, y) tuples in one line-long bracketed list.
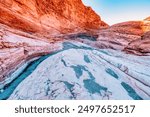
[(27, 28), (49, 16)]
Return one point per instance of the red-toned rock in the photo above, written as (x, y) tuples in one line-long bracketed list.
[(27, 28), (140, 46), (16, 48), (147, 19), (120, 35), (48, 16)]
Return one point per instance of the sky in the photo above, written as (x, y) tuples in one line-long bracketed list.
[(116, 11)]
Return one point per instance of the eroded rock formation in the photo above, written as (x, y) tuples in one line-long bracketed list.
[(121, 35), (140, 46), (49, 16), (27, 26), (16, 48), (32, 28)]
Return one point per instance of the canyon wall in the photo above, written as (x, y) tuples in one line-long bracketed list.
[(32, 28), (131, 36), (49, 16), (26, 28)]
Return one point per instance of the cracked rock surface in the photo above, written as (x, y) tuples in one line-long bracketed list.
[(82, 72)]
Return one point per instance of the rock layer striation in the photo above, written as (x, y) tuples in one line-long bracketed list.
[(49, 16)]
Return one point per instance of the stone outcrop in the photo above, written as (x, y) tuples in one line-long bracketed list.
[(119, 36), (82, 72), (17, 49), (49, 16), (30, 29), (140, 46), (27, 28)]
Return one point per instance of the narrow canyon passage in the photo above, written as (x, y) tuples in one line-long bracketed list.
[(63, 49)]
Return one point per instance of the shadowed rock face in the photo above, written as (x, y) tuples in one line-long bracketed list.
[(120, 36), (51, 16), (140, 46), (132, 37)]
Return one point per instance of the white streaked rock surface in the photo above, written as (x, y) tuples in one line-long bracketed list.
[(81, 72)]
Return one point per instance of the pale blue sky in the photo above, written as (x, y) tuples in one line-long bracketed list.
[(115, 11)]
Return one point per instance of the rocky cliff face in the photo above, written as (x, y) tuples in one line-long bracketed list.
[(30, 29), (140, 46), (26, 28), (48, 16), (122, 35), (16, 48)]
